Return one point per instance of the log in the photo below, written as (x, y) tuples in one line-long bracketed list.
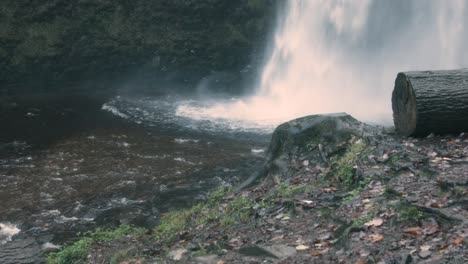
[(431, 102)]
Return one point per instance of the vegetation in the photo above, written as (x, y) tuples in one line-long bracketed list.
[(77, 252)]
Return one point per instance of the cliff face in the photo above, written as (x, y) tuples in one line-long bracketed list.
[(46, 43)]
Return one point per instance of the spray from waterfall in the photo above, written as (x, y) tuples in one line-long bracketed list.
[(343, 56)]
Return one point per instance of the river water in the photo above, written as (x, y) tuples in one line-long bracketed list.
[(71, 163)]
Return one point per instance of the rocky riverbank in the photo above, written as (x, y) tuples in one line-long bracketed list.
[(333, 191)]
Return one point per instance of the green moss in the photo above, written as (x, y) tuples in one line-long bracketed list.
[(408, 213), (213, 211), (172, 224), (121, 255), (78, 251), (74, 253), (285, 190), (239, 210), (344, 167), (362, 220)]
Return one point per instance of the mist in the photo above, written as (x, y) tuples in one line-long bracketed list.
[(343, 56)]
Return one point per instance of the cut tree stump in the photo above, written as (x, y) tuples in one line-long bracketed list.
[(431, 102)]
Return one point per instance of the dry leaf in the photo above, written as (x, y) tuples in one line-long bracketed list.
[(431, 229), (302, 247), (316, 253), (458, 241), (328, 190), (425, 248), (438, 205), (413, 230), (375, 238), (375, 222), (362, 261)]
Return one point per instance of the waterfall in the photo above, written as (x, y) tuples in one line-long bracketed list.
[(343, 56)]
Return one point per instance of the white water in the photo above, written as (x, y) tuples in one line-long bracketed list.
[(7, 231), (343, 56)]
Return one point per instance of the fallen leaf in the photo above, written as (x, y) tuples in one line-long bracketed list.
[(328, 190), (458, 241), (425, 248), (431, 229), (316, 253), (375, 222), (375, 238), (302, 247), (438, 205), (362, 261), (413, 230)]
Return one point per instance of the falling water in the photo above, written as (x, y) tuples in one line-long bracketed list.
[(343, 56)]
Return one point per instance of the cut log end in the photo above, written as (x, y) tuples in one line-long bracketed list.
[(404, 106)]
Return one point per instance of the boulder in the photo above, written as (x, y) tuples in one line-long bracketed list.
[(312, 141)]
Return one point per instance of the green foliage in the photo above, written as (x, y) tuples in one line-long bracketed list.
[(77, 252), (285, 190), (410, 213), (171, 224), (362, 220), (120, 256), (344, 171), (238, 210), (74, 253)]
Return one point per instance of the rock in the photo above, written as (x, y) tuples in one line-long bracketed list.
[(49, 247), (210, 259), (177, 254), (316, 137), (269, 251), (424, 254)]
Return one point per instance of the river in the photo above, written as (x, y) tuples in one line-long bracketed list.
[(70, 163)]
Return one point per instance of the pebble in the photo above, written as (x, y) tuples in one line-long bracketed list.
[(424, 254)]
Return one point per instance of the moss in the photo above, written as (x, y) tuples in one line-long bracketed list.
[(410, 214), (74, 253), (362, 220), (172, 224), (213, 211), (121, 255), (344, 167), (285, 190), (237, 211), (78, 251)]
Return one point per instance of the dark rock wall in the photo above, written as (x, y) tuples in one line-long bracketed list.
[(46, 43)]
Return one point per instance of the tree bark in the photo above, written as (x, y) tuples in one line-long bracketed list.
[(431, 102)]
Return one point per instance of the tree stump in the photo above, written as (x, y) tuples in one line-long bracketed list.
[(431, 102)]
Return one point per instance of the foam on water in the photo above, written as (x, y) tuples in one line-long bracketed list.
[(7, 231), (169, 111), (343, 56)]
